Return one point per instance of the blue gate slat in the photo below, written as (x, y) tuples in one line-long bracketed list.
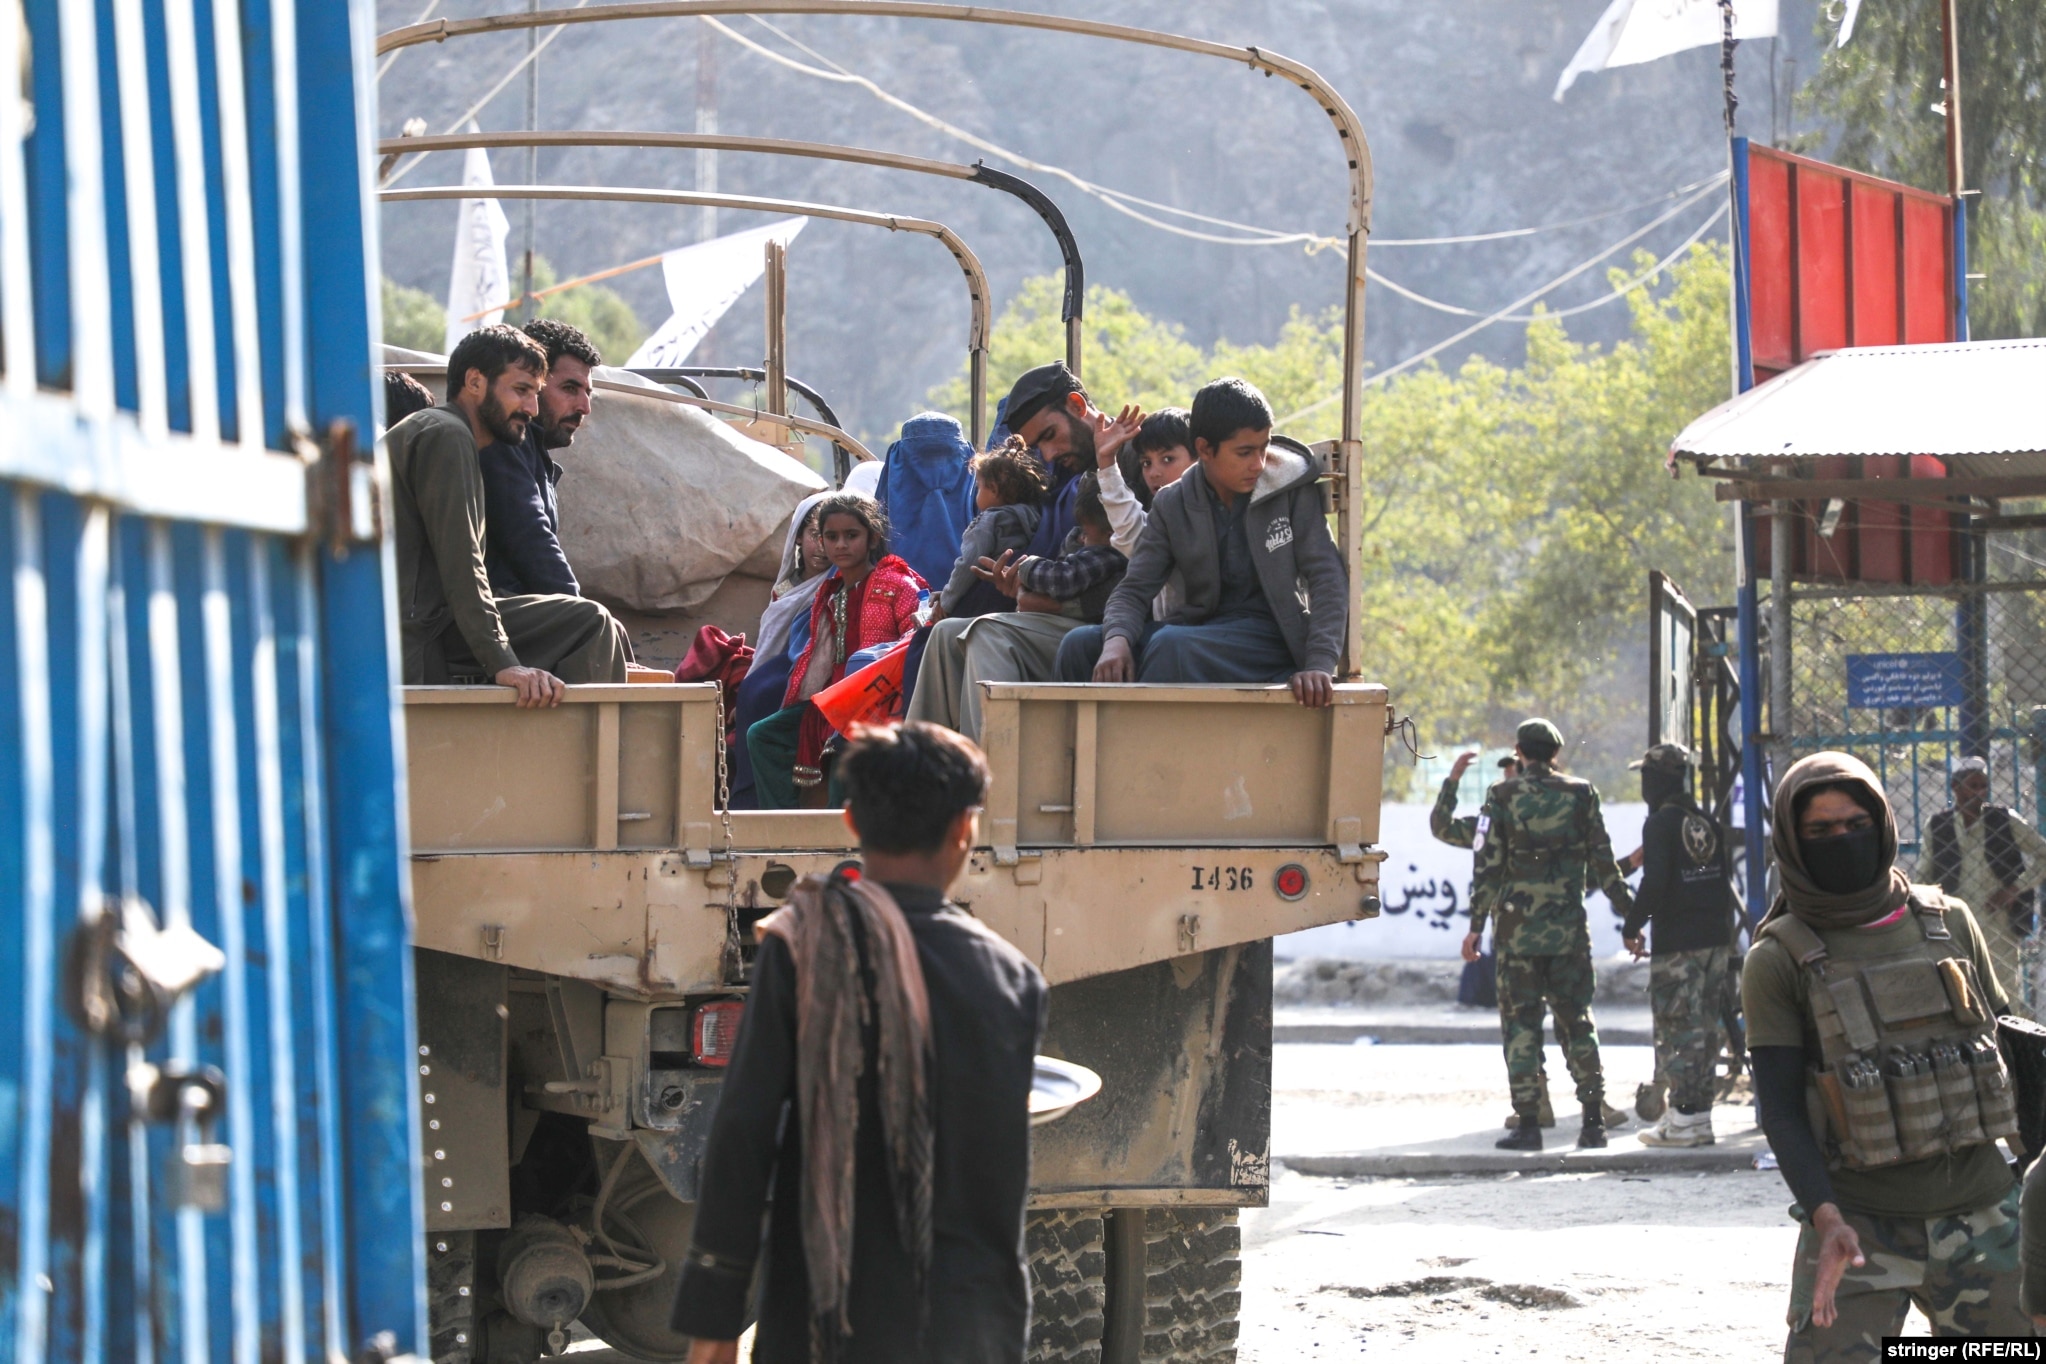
[(49, 219), (260, 82), (216, 214), (66, 1268), (35, 1261), (320, 1083), (262, 950), (16, 803), (295, 1099), (127, 1331), (177, 369), (156, 1307), (120, 280), (371, 891), (215, 878)]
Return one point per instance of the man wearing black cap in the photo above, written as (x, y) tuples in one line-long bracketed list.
[(1686, 891), (1050, 410), (1540, 837)]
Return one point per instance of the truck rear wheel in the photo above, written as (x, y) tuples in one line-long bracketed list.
[(1068, 1285), (1174, 1286)]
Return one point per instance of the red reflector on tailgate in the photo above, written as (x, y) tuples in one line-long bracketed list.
[(715, 1030)]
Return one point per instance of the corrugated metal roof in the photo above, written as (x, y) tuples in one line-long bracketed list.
[(1970, 398)]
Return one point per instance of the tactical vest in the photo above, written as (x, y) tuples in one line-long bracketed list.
[(1908, 1063)]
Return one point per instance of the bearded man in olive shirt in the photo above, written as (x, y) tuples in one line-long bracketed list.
[(1940, 1232), (452, 627)]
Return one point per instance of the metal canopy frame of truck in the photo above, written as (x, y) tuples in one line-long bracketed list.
[(1071, 304), (1346, 456), (979, 325), (825, 429)]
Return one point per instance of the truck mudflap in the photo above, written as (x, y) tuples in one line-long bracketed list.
[(1184, 1050)]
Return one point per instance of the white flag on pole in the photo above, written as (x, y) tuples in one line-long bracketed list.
[(703, 281), (1634, 31), (1847, 23), (480, 284)]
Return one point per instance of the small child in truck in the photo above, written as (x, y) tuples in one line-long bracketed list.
[(1076, 584), (1159, 452), (1009, 488)]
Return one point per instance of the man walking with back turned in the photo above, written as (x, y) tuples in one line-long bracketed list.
[(880, 1091), (1539, 836)]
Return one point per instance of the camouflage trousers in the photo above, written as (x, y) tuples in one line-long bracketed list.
[(1563, 981), (1686, 991), (1961, 1272)]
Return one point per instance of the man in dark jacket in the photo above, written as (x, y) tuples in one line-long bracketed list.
[(901, 1066), (453, 628), (523, 552), (1246, 530), (1686, 892)]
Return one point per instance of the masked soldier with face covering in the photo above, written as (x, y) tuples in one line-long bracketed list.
[(1871, 1008)]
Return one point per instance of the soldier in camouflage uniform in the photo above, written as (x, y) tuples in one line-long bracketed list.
[(1442, 820), (1538, 838)]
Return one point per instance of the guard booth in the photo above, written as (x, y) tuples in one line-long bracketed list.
[(1889, 477), (207, 1068)]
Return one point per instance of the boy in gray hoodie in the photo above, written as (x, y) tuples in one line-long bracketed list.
[(1263, 582)]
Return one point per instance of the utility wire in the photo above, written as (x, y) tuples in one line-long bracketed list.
[(1264, 236), (1120, 200), (1645, 277), (1412, 360)]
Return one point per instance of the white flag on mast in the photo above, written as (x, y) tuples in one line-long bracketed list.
[(1847, 23), (705, 280), (1634, 31), (480, 283)]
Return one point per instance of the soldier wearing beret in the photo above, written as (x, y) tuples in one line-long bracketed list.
[(1540, 836)]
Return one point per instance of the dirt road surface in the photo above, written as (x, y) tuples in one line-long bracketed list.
[(1518, 1265)]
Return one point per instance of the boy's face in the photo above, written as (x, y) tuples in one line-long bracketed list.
[(1234, 465), (1161, 467), (1093, 534)]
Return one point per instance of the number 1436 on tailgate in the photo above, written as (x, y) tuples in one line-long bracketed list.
[(1222, 878)]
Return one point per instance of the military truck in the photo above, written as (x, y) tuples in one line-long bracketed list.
[(584, 900)]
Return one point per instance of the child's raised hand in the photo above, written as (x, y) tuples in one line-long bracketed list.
[(1111, 436)]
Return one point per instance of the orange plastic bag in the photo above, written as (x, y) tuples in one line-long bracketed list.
[(870, 696)]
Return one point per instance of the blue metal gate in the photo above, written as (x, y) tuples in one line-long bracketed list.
[(208, 1149)]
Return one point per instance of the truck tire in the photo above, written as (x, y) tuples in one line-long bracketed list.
[(1068, 1286), (1174, 1286)]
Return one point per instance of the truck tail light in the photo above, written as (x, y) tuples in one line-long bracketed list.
[(715, 1032), (1291, 881)]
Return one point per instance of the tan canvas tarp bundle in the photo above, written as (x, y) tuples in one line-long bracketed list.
[(661, 502)]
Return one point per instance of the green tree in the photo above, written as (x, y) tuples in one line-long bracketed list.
[(599, 312), (1881, 92), (1511, 516), (413, 318)]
